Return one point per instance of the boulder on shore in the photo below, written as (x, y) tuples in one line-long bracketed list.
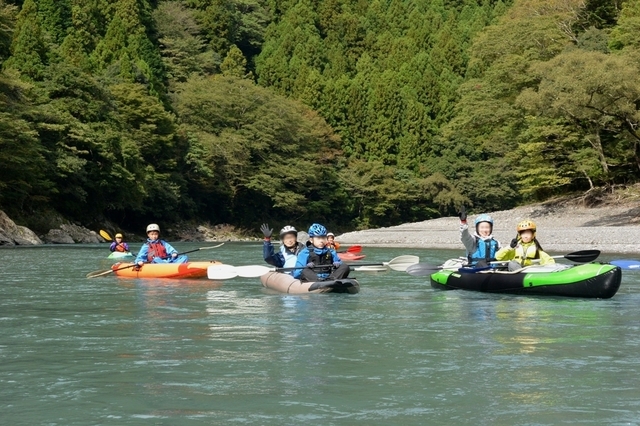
[(12, 234)]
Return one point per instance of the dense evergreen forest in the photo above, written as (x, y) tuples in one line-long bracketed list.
[(356, 113)]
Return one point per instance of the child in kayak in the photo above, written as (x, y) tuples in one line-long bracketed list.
[(119, 245), (316, 255), (289, 249), (156, 250), (481, 246), (525, 248), (331, 241)]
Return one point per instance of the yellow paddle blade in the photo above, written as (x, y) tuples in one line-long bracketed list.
[(104, 234)]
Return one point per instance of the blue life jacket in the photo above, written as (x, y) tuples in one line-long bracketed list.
[(289, 258), (485, 250)]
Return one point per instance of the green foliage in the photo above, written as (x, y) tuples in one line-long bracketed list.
[(28, 50)]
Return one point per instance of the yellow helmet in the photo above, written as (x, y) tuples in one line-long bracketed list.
[(526, 225), (118, 235)]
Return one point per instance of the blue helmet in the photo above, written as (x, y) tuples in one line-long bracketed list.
[(484, 218), (317, 230)]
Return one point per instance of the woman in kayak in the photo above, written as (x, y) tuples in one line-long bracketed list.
[(119, 245), (481, 246), (331, 241), (525, 248), (156, 250), (317, 262), (289, 249)]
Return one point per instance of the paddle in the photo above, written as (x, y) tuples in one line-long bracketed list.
[(629, 264), (225, 272), (101, 273), (582, 256)]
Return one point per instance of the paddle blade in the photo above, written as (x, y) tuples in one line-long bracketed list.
[(627, 264), (354, 249), (221, 272), (253, 271), (583, 256), (104, 234), (401, 263), (422, 269)]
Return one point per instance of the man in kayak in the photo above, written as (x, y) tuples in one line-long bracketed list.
[(119, 245), (317, 262), (331, 241), (481, 246), (525, 248), (289, 249), (156, 250)]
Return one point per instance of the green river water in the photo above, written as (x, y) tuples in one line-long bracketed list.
[(109, 351)]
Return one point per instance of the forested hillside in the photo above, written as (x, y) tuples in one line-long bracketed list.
[(356, 113)]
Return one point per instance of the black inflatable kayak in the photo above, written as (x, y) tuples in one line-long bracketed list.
[(592, 280)]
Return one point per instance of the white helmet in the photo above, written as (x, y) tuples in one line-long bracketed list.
[(331, 234), (153, 227), (288, 230)]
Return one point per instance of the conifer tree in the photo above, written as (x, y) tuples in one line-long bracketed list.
[(28, 49)]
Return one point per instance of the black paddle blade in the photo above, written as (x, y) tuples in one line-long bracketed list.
[(422, 269), (583, 256)]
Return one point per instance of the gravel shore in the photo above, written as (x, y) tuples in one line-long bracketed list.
[(562, 227)]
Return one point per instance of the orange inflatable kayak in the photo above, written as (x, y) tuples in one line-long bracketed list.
[(351, 256), (164, 270)]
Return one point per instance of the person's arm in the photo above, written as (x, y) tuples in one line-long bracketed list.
[(125, 246), (469, 241), (142, 254), (113, 245), (169, 248), (336, 258), (545, 259), (301, 263), (270, 256), (506, 253), (336, 245)]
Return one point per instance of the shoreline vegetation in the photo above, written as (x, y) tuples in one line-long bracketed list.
[(607, 221)]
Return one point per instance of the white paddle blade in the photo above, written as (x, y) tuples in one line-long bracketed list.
[(401, 263), (253, 271), (221, 272)]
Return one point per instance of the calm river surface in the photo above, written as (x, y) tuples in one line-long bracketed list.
[(109, 351)]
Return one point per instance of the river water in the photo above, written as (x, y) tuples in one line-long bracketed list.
[(109, 351)]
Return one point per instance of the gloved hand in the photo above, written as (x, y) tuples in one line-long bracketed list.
[(266, 231), (514, 243), (336, 264), (463, 215), (311, 265)]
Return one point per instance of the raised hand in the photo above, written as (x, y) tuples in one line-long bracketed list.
[(266, 231)]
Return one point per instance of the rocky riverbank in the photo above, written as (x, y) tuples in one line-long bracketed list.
[(563, 226)]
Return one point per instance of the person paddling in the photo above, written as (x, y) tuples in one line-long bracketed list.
[(316, 255), (289, 249), (119, 245), (156, 250), (524, 248), (481, 246)]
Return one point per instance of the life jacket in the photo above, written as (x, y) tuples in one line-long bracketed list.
[(323, 258), (156, 249), (120, 247), (524, 253), (485, 250), (290, 257)]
